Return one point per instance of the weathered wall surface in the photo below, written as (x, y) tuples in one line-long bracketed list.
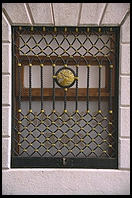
[(67, 181)]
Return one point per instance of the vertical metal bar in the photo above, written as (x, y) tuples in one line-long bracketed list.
[(117, 39), (99, 88), (53, 89), (19, 87), (65, 90), (88, 87), (30, 87), (42, 92), (110, 88), (76, 88)]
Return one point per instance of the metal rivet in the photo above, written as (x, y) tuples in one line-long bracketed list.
[(76, 29), (65, 29), (76, 77), (53, 65), (88, 29), (111, 66), (19, 133), (19, 64)]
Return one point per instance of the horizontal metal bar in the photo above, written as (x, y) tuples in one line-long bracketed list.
[(41, 162), (69, 28)]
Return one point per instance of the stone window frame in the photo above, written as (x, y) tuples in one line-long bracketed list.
[(107, 14)]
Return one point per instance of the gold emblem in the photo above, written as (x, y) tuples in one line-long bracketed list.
[(65, 77)]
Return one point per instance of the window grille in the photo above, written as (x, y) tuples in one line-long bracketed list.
[(65, 97)]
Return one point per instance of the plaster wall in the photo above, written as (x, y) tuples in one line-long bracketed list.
[(67, 181)]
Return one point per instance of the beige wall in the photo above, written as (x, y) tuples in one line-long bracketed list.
[(67, 181)]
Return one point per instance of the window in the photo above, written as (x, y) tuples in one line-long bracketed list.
[(65, 97)]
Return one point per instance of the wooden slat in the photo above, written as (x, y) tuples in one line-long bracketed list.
[(59, 92)]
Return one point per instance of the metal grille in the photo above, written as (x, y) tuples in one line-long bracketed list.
[(65, 137)]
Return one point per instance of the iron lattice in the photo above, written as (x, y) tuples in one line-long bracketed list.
[(64, 134)]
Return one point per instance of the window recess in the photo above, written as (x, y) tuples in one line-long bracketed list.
[(65, 97)]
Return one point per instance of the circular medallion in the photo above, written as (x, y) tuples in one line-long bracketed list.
[(65, 77)]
